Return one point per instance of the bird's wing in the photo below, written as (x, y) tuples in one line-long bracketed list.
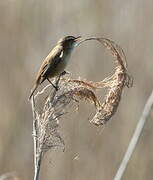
[(51, 61)]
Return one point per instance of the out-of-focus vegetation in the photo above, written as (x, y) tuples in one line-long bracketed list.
[(28, 30)]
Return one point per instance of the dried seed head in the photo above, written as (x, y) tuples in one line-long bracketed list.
[(72, 91)]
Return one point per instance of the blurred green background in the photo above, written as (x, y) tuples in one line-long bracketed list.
[(28, 30)]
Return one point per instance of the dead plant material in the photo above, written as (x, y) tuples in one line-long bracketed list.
[(70, 93)]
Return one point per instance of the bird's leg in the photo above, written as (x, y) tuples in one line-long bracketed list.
[(56, 87), (59, 77)]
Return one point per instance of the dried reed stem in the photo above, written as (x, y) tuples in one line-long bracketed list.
[(35, 142), (135, 138)]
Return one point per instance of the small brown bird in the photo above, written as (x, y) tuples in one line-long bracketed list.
[(55, 63)]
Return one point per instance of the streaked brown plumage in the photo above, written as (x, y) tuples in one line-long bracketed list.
[(55, 63)]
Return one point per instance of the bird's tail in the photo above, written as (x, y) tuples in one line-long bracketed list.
[(33, 90)]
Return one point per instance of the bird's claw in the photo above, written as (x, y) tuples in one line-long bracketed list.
[(65, 72), (56, 88)]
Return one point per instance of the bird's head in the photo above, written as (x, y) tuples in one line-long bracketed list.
[(69, 42)]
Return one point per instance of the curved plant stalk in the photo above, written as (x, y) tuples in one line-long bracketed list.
[(46, 135)]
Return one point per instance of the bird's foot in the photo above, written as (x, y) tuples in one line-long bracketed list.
[(64, 72), (56, 87)]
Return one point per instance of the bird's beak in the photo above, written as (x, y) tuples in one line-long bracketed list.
[(78, 39)]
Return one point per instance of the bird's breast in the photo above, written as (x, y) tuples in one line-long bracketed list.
[(66, 58), (60, 67)]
